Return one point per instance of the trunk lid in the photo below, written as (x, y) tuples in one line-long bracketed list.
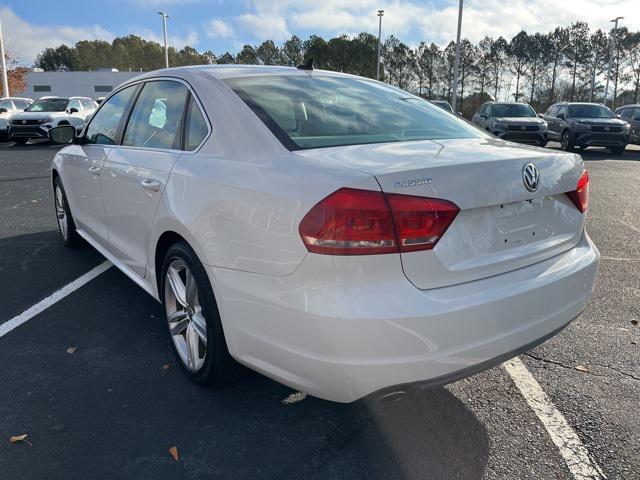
[(501, 225)]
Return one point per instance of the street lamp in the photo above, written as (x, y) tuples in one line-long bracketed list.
[(456, 63), (166, 48), (380, 15), (5, 82), (611, 55)]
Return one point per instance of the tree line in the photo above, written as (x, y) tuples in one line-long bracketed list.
[(568, 63)]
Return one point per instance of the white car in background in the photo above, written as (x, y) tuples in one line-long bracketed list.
[(8, 107), (334, 233), (48, 112)]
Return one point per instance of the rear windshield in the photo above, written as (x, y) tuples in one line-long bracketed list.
[(512, 110), (323, 111), (589, 111), (49, 105)]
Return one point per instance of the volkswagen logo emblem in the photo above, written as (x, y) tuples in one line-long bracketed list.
[(523, 127), (24, 122), (531, 177), (606, 129)]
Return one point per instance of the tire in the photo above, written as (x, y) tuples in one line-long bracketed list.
[(617, 150), (20, 141), (565, 141), (194, 325), (66, 225), (542, 144)]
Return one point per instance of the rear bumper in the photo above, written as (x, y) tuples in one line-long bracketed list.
[(342, 337)]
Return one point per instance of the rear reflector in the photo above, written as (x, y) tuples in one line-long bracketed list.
[(580, 196), (363, 222)]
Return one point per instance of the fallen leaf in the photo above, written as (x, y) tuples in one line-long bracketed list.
[(634, 322), (294, 398), (582, 368), (71, 350), (20, 438), (166, 366), (633, 342), (174, 453)]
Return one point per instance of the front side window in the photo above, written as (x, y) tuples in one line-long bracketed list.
[(157, 115), (21, 104), (589, 111), (104, 125), (49, 105), (196, 127), (512, 110), (324, 111), (7, 105), (87, 104)]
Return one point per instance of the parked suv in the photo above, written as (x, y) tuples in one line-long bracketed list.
[(48, 112), (8, 107), (585, 125), (631, 114), (513, 121), (443, 104)]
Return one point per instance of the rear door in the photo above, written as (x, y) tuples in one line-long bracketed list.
[(634, 121), (552, 124), (82, 165), (136, 172)]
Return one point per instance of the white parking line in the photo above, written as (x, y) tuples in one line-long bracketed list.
[(564, 437), (53, 298)]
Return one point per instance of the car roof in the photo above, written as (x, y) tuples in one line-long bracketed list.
[(17, 98), (631, 105), (223, 72)]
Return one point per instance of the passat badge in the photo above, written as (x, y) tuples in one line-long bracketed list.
[(530, 177), (413, 182)]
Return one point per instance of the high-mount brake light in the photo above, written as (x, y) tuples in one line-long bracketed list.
[(364, 222)]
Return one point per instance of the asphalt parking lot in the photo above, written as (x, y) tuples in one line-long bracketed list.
[(112, 408)]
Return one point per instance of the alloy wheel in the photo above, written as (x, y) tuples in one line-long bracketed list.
[(187, 324), (61, 213)]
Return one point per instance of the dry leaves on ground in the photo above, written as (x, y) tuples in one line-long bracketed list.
[(174, 453), (20, 438), (71, 350), (582, 368)]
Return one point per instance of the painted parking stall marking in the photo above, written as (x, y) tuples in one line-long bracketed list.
[(563, 436), (53, 298)]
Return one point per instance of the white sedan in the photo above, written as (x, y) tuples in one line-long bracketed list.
[(334, 233)]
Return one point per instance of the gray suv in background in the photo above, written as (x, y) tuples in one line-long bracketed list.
[(631, 114), (513, 121), (585, 125)]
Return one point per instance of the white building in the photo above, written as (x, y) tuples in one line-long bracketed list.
[(73, 84)]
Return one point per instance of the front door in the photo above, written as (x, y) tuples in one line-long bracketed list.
[(83, 166), (136, 173)]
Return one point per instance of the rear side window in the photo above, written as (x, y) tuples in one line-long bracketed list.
[(104, 125), (196, 127), (21, 104), (157, 116)]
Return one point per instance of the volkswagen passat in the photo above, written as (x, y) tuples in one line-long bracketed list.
[(334, 233)]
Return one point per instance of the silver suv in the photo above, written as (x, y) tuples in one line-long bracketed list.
[(513, 121), (48, 112)]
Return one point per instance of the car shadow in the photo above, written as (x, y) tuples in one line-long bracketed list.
[(114, 407), (632, 153)]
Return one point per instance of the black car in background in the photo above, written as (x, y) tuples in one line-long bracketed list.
[(585, 125), (443, 104), (514, 121), (631, 114)]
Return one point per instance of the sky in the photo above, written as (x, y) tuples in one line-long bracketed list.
[(29, 26)]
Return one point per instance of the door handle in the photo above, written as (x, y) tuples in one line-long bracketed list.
[(94, 169), (150, 184)]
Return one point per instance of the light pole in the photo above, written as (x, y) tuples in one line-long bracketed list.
[(380, 15), (5, 82), (456, 63), (611, 55), (166, 48)]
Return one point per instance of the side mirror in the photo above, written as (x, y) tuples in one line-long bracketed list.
[(484, 115), (561, 115), (459, 114), (3, 110), (541, 115), (63, 134), (73, 110)]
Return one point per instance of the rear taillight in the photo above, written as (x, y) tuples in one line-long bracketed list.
[(364, 222), (580, 196)]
